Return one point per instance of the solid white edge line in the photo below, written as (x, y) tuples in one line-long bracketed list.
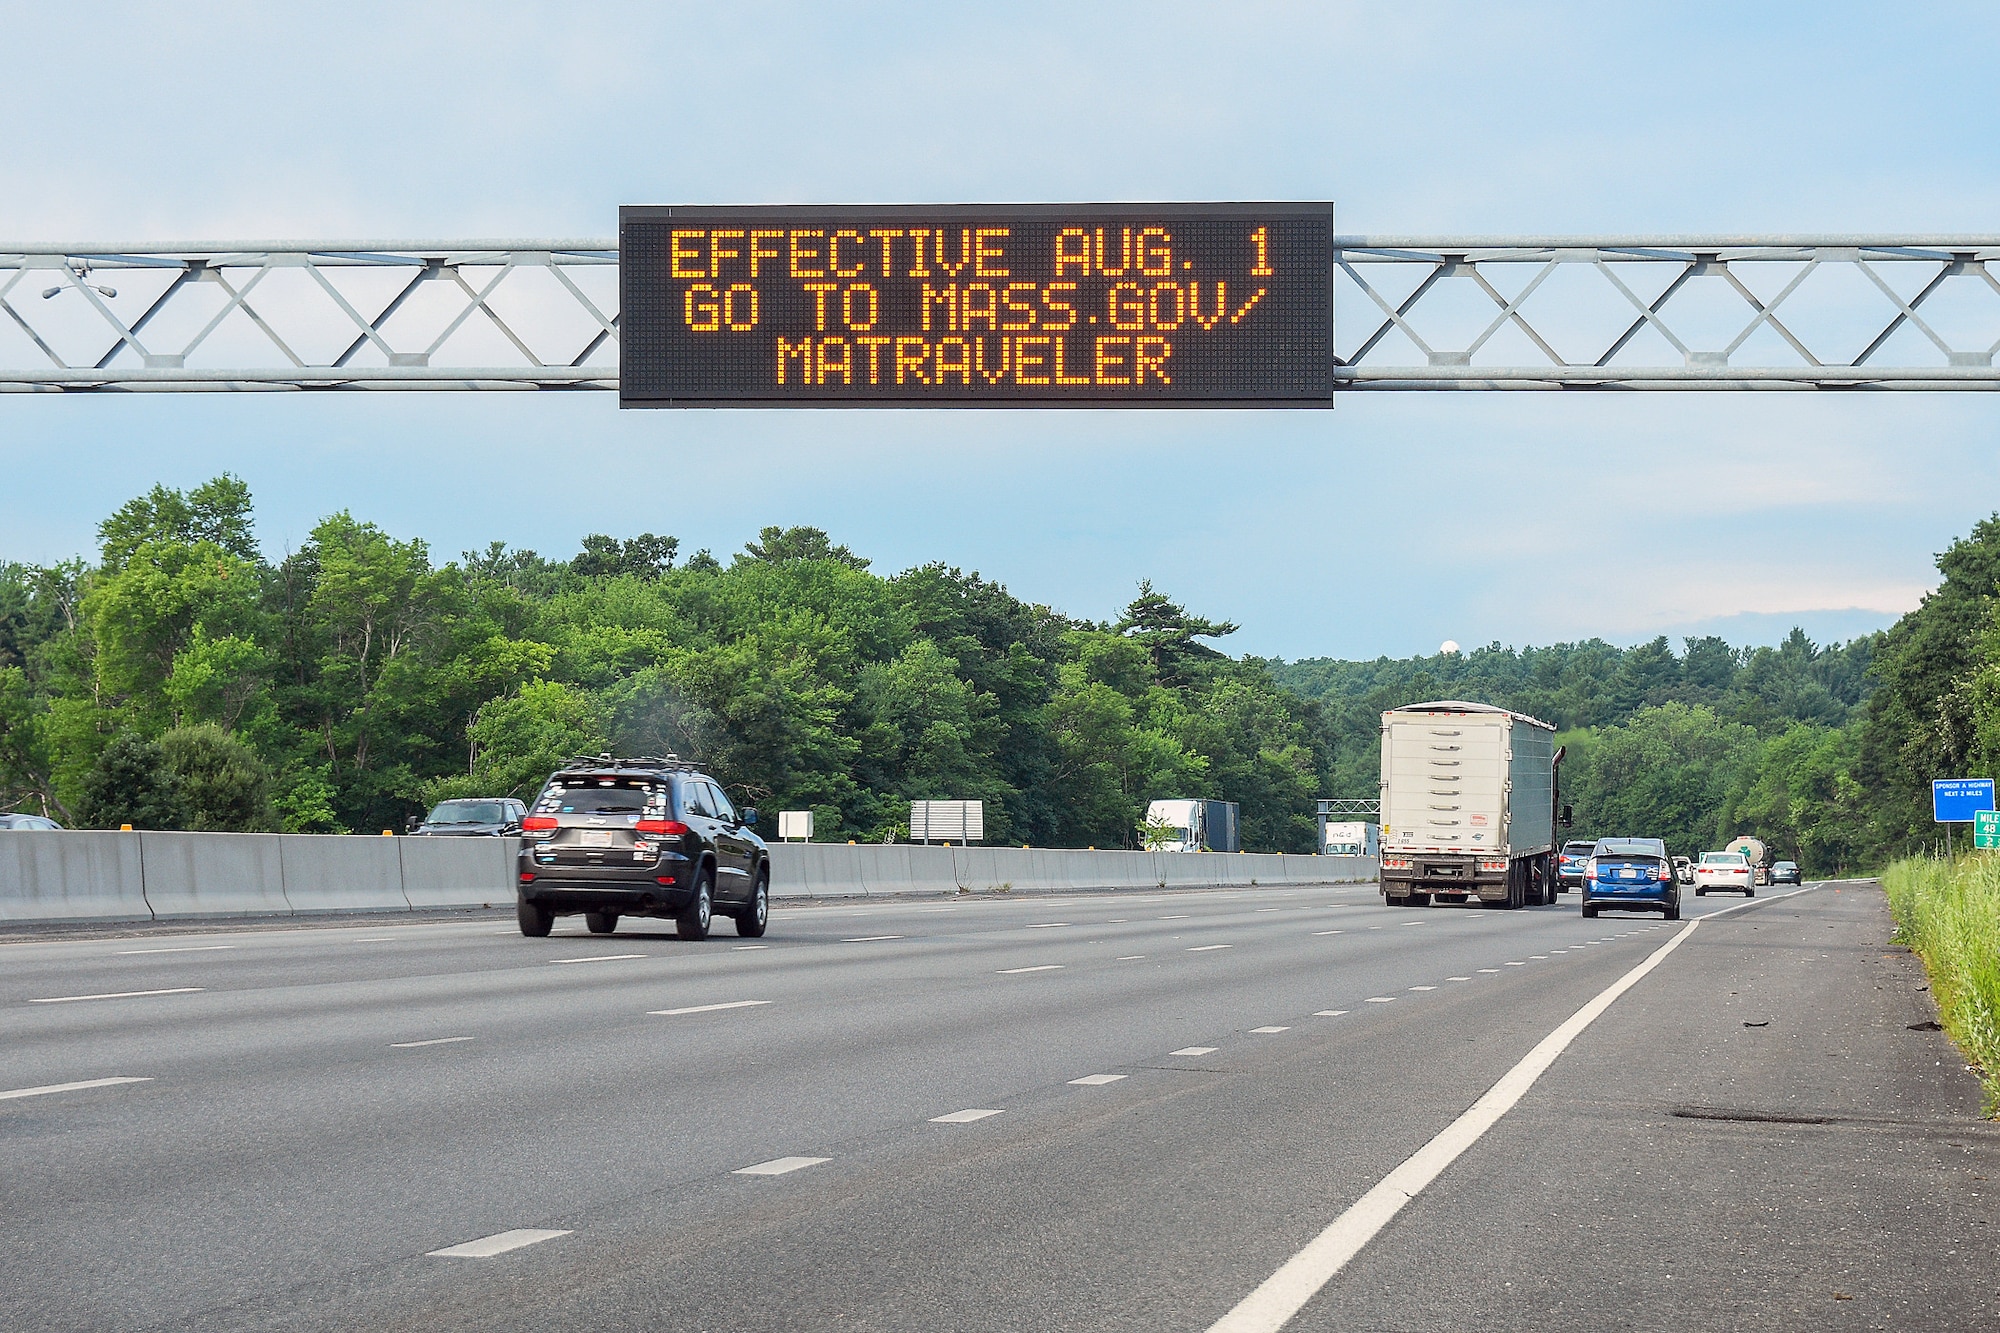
[(48, 1088), (600, 958), (706, 1008), (1044, 967), (434, 1041), (1271, 1306), (184, 948), (499, 1243), (120, 995)]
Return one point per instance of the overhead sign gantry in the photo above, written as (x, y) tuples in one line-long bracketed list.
[(1171, 293)]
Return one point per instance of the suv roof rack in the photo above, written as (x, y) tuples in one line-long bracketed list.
[(670, 761)]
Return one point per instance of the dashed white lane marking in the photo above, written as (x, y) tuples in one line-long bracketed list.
[(120, 995), (1489, 969), (1423, 988), (434, 1041), (384, 939), (1196, 1050), (185, 948), (746, 948), (1265, 1032), (962, 1117), (1559, 951), (1409, 923), (1045, 925), (48, 1088), (1044, 967), (599, 958), (1381, 999), (1458, 978), (1271, 1306), (1174, 918), (1118, 921), (873, 939), (488, 1246), (1513, 965), (1328, 1013), (1096, 1080), (778, 1166), (1539, 957), (1130, 957), (1269, 909), (706, 1008), (1204, 948), (1329, 932)]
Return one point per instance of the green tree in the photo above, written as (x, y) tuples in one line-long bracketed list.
[(1668, 773), (132, 783), (224, 786)]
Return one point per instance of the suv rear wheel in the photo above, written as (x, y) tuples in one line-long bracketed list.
[(535, 921), (601, 923), (751, 921), (692, 923)]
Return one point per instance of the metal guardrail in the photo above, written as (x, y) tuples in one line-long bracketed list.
[(1848, 312)]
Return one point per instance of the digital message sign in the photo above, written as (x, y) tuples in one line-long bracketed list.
[(1132, 305)]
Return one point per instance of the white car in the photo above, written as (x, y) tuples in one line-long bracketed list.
[(1721, 871)]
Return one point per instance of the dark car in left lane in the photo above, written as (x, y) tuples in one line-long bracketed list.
[(1786, 872), (471, 817), (29, 823)]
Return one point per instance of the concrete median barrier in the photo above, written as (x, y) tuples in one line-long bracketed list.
[(213, 874), (458, 872), (343, 873), (836, 870), (48, 876), (82, 876)]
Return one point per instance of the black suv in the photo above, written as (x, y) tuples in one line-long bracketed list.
[(640, 837)]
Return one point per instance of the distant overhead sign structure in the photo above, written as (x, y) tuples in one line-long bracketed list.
[(1104, 305), (1959, 800)]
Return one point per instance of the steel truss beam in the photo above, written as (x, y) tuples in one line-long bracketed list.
[(1613, 312), (1667, 312), (267, 315)]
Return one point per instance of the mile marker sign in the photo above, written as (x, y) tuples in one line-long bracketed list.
[(1986, 828)]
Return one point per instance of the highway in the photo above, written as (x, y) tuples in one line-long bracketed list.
[(1124, 1111)]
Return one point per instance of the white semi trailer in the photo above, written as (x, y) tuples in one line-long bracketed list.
[(1468, 806)]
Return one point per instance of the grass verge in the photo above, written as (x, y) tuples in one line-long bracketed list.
[(1949, 913)]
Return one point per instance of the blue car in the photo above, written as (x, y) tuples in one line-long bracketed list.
[(1570, 863), (1631, 873)]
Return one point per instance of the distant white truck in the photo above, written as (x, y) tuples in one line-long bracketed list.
[(1353, 839), (1198, 826), (1756, 853), (1468, 805)]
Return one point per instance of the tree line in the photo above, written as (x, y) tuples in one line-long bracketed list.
[(184, 680), (1825, 753)]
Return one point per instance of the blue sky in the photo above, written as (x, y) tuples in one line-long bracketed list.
[(214, 121)]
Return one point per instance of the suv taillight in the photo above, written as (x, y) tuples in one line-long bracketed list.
[(672, 828), (538, 823)]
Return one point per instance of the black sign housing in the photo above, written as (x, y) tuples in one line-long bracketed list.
[(1098, 305)]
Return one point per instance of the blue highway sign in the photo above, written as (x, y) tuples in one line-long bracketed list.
[(1958, 800)]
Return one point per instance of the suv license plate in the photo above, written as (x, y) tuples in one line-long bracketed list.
[(597, 837)]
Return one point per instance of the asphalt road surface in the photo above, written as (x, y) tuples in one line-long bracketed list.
[(1128, 1111)]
